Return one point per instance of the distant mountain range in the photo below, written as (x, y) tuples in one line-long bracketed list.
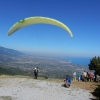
[(6, 55), (9, 52)]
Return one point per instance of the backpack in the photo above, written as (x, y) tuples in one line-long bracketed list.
[(35, 71)]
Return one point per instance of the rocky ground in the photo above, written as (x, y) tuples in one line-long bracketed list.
[(24, 88)]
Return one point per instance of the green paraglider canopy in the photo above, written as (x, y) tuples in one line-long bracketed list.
[(38, 20)]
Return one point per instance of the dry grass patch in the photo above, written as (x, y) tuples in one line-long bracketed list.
[(5, 98), (85, 85)]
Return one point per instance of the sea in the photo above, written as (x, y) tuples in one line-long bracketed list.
[(84, 61), (78, 60)]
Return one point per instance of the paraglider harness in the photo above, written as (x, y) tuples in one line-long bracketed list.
[(36, 72)]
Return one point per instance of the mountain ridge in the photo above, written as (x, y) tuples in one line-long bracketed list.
[(9, 52)]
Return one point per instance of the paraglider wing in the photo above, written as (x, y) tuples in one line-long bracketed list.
[(37, 20)]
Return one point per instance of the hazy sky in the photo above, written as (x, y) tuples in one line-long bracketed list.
[(81, 16)]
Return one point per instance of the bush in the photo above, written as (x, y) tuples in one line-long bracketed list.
[(97, 92)]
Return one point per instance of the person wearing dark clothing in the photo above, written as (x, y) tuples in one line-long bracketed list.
[(81, 78), (35, 73), (87, 76)]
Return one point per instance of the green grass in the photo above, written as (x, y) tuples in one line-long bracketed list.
[(21, 76)]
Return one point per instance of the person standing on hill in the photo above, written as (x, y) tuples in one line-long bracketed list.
[(35, 73), (87, 76), (74, 76), (91, 76), (84, 75), (79, 76)]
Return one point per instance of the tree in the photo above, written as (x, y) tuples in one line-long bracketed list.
[(95, 65)]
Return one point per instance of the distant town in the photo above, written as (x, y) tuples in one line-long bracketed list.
[(49, 66)]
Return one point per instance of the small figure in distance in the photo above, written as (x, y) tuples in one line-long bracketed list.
[(87, 76), (74, 76), (79, 76), (67, 81), (35, 73), (84, 76)]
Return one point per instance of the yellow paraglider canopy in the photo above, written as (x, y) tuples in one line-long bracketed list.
[(37, 20)]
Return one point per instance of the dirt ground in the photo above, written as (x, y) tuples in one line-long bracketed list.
[(81, 84), (28, 88)]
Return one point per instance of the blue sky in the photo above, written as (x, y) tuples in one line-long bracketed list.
[(81, 16)]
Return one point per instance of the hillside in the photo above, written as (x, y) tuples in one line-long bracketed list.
[(9, 52), (6, 55), (49, 66)]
